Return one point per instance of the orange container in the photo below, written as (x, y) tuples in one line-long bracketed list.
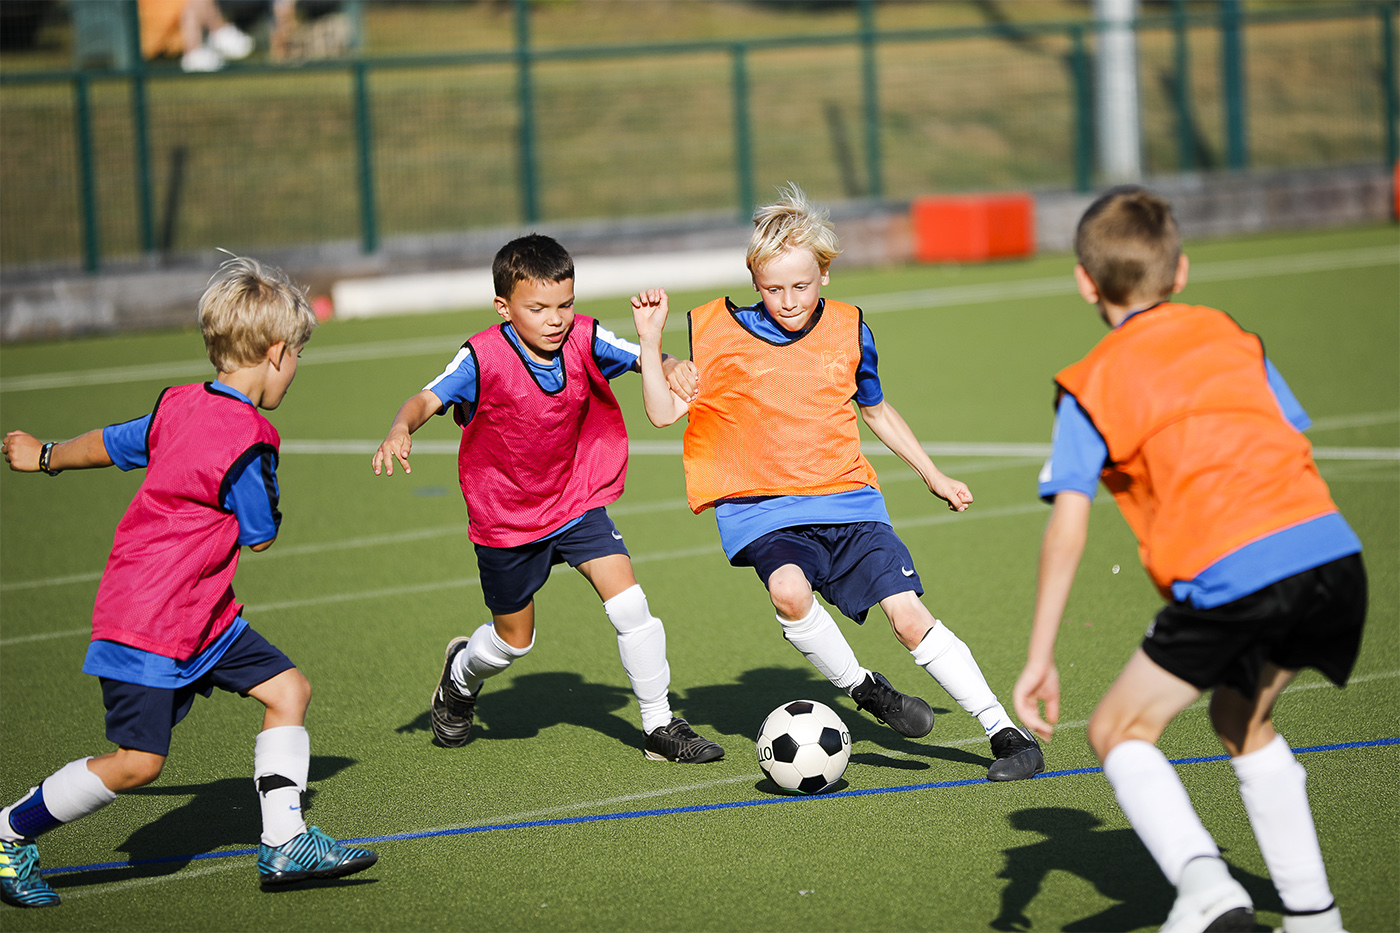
[(973, 228)]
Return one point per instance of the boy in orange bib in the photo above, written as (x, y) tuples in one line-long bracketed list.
[(773, 446), (1200, 441)]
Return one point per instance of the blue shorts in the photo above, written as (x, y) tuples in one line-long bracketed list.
[(1311, 619), (142, 718), (853, 566), (511, 576)]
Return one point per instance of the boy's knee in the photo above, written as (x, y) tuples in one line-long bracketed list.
[(790, 592), (131, 768), (289, 692), (1104, 733)]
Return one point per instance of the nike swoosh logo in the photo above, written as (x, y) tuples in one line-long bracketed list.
[(907, 573), (617, 536)]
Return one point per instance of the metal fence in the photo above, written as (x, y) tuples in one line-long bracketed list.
[(118, 164)]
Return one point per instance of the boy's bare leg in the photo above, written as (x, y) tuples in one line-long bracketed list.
[(1273, 786), (126, 768), (812, 630), (641, 637), (1123, 731), (947, 660), (282, 755)]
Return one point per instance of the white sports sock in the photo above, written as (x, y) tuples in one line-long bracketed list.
[(1274, 788), (281, 760), (486, 655), (1155, 803), (641, 642), (819, 639), (71, 792), (949, 661)]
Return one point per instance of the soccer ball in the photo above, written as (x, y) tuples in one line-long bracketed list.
[(803, 747)]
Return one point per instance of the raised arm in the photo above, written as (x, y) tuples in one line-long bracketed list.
[(83, 452), (649, 310), (399, 441), (894, 432), (1060, 551)]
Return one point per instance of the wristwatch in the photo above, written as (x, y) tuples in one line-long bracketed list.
[(44, 453)]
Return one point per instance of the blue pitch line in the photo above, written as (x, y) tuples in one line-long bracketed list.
[(670, 811)]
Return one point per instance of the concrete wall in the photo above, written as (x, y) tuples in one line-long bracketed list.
[(36, 305)]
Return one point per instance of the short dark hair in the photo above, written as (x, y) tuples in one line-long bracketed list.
[(533, 258), (1129, 244)]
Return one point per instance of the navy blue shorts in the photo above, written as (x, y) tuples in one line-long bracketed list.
[(853, 566), (1311, 619), (142, 718), (511, 576)]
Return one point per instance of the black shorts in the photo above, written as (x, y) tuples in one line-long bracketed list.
[(142, 718), (511, 576), (853, 566), (1311, 619)]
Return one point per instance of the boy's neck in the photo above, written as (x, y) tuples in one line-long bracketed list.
[(246, 379), (1114, 315)]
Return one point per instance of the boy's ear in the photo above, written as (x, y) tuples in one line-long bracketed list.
[(276, 352), (502, 307), (826, 276), (1183, 267), (1087, 289)]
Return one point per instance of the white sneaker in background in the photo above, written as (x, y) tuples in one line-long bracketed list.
[(201, 59), (231, 42)]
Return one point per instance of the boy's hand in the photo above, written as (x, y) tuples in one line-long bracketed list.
[(22, 451), (683, 379), (952, 491), (1039, 681), (649, 310), (396, 445)]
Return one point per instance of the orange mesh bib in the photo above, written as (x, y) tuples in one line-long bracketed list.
[(1201, 459), (773, 420)]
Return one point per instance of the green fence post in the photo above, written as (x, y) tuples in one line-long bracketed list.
[(1083, 111), (1185, 123), (1232, 85), (1391, 94), (871, 100), (529, 195), (364, 137), (87, 191), (140, 129), (743, 140)]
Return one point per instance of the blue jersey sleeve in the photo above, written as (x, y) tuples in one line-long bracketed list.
[(250, 492), (457, 382), (1078, 453), (868, 391), (1287, 401), (126, 443), (614, 355)]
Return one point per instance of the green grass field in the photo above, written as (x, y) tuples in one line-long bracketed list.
[(549, 819)]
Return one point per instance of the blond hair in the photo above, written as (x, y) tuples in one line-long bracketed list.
[(1129, 243), (249, 307), (792, 222)]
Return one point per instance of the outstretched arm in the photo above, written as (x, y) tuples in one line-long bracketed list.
[(649, 310), (81, 453), (412, 416), (894, 432), (1060, 552)]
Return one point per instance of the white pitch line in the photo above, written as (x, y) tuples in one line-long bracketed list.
[(1220, 271)]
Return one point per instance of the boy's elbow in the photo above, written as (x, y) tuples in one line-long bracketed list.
[(262, 545)]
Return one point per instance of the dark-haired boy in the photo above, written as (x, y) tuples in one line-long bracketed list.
[(1199, 439), (543, 452)]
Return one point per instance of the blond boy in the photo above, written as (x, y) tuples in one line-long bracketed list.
[(166, 626), (773, 446)]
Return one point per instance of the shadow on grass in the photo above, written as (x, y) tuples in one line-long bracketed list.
[(739, 709), (220, 814), (535, 702), (1114, 861)]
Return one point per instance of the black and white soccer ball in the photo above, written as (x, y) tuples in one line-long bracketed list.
[(803, 747)]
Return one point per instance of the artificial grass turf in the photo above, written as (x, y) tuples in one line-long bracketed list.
[(371, 577)]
